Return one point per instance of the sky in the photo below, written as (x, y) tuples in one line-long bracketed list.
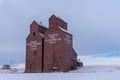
[(94, 25)]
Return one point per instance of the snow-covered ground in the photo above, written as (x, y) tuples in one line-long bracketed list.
[(92, 70)]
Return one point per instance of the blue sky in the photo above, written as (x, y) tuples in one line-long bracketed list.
[(94, 24)]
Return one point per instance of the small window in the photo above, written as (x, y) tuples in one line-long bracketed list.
[(33, 33)]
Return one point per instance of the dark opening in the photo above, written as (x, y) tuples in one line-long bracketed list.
[(33, 33), (42, 54)]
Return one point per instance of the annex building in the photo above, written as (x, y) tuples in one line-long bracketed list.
[(50, 49)]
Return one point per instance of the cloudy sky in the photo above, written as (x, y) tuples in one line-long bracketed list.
[(94, 24)]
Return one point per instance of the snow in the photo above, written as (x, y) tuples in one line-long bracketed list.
[(85, 73), (90, 71), (63, 29), (40, 23), (42, 35)]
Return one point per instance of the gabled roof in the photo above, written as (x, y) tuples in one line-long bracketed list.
[(42, 27), (64, 30), (40, 24), (55, 17), (34, 22)]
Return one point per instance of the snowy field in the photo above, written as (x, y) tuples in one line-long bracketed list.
[(93, 70), (90, 72)]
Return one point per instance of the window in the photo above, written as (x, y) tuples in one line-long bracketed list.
[(34, 33)]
